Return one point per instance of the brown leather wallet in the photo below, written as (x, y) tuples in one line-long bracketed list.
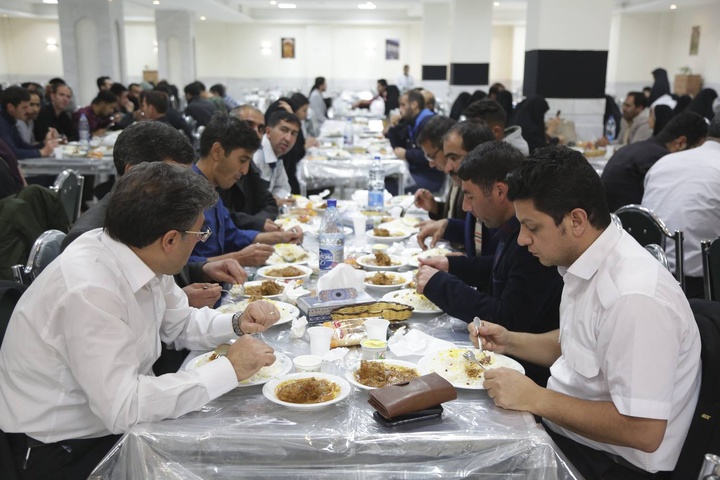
[(417, 394)]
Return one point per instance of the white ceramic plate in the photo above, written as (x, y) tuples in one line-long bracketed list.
[(269, 390), (254, 283), (431, 252), (408, 296), (281, 366), (368, 263), (263, 272), (350, 374), (405, 276), (288, 253), (450, 365), (395, 236), (287, 312), (406, 224)]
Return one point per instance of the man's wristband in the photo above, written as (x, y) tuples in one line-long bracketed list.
[(236, 324)]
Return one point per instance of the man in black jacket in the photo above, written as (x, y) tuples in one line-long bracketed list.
[(404, 140), (513, 288)]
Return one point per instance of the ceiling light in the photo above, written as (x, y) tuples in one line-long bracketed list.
[(496, 4), (156, 2), (203, 17), (287, 5), (273, 2), (52, 44), (673, 6), (52, 2), (366, 6)]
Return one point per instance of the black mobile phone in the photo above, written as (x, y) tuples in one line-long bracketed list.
[(419, 416)]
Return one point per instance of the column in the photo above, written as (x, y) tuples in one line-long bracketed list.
[(92, 38), (566, 59), (470, 41), (176, 46), (436, 47)]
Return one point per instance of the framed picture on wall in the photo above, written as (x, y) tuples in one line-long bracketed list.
[(287, 47), (695, 40), (392, 49)]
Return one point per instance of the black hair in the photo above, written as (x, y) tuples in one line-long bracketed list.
[(487, 110), (133, 85), (105, 96), (54, 86), (714, 129), (383, 82), (55, 81), (416, 96), (218, 89), (283, 115), (496, 88), (488, 163), (689, 124), (230, 132), (558, 180), (155, 198), (157, 99), (435, 129), (639, 99), (101, 81), (298, 100), (151, 142), (318, 81), (193, 89), (472, 132), (118, 88), (13, 95)]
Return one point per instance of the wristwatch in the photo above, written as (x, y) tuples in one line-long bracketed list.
[(236, 324)]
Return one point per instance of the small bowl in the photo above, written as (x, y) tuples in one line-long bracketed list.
[(307, 363), (368, 263)]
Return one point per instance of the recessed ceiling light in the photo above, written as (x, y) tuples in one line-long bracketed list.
[(673, 6), (203, 17), (273, 2), (496, 4), (366, 6), (156, 2), (51, 2), (287, 5)]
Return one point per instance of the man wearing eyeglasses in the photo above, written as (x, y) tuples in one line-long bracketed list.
[(76, 361)]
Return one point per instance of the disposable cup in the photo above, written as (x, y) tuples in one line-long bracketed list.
[(376, 328), (373, 349), (58, 152), (307, 363), (359, 227), (320, 340)]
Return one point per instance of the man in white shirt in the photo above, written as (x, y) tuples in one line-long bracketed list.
[(280, 136), (76, 360), (683, 189), (625, 362), (405, 81)]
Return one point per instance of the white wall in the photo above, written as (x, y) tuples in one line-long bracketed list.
[(24, 55), (501, 55), (140, 49)]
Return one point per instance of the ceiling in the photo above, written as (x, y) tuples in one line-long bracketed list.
[(316, 11)]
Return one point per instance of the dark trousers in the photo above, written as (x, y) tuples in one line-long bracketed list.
[(596, 465), (694, 287), (64, 460)]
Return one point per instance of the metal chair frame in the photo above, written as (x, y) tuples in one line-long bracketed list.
[(711, 254), (657, 236), (659, 253), (28, 273), (61, 186)]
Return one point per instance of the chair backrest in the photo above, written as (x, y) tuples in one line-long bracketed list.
[(69, 186), (704, 434), (647, 228), (616, 220), (45, 249), (659, 254), (711, 268)]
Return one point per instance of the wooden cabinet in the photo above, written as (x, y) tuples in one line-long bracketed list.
[(688, 84)]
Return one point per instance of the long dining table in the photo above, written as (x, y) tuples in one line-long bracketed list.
[(244, 435)]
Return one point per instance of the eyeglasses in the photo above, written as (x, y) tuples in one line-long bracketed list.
[(431, 158), (202, 236)]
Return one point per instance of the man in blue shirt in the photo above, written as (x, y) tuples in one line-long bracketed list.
[(226, 149)]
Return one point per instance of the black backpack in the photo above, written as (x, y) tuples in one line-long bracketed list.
[(704, 434)]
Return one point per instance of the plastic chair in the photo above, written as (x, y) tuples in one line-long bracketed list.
[(45, 249), (616, 220), (69, 187), (647, 228), (659, 254), (711, 268)]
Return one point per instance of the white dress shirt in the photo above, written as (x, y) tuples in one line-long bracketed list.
[(628, 336), (683, 189), (405, 82), (272, 169), (76, 361)]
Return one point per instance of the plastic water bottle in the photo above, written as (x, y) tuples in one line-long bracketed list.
[(348, 134), (84, 131), (610, 129), (376, 185), (331, 238)]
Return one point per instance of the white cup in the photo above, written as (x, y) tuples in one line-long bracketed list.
[(58, 152), (320, 340), (376, 328), (359, 227), (307, 363)]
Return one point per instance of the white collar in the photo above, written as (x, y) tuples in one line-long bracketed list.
[(589, 262), (268, 151), (135, 271)]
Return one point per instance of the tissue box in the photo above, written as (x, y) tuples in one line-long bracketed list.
[(318, 312)]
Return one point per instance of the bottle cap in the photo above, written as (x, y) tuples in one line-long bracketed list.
[(332, 203)]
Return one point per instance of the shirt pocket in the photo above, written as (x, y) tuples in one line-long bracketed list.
[(579, 358)]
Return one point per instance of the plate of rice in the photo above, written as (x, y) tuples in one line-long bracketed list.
[(409, 296), (287, 312), (281, 366), (461, 373)]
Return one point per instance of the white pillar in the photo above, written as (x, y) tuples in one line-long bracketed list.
[(176, 46), (436, 47), (470, 42), (566, 60), (92, 39)]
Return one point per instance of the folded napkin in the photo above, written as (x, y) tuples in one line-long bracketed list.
[(417, 394), (415, 342)]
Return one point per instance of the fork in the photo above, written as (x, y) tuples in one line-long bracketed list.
[(478, 323), (469, 355)]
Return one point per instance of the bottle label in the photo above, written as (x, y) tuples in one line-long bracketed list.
[(375, 199), (327, 259)]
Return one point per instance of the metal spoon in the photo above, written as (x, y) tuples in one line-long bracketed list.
[(478, 323), (469, 355)]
